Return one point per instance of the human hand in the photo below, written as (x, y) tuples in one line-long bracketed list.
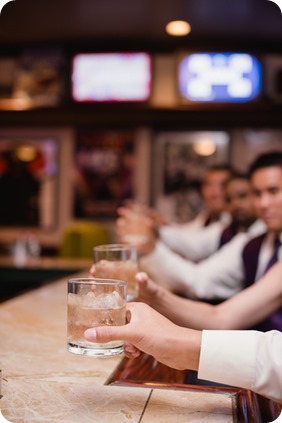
[(92, 271), (158, 218), (154, 334), (136, 228), (149, 291)]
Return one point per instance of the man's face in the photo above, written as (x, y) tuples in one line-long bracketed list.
[(213, 191), (239, 201), (267, 196)]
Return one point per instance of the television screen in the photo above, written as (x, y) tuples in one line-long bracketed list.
[(219, 77), (111, 77)]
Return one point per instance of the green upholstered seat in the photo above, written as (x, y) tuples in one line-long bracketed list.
[(79, 238)]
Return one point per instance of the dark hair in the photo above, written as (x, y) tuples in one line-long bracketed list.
[(266, 160), (219, 168), (216, 168), (236, 176)]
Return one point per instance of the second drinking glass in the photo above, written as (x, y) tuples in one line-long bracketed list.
[(117, 261)]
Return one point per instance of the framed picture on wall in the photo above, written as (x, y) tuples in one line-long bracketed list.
[(104, 172), (183, 158), (28, 181), (34, 78), (36, 172)]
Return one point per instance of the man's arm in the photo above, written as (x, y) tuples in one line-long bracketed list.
[(244, 310), (247, 359), (220, 276), (194, 245)]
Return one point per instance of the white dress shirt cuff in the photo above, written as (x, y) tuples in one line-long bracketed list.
[(229, 357)]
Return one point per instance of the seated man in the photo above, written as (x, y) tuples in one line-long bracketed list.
[(212, 192), (206, 228), (200, 245), (213, 204), (241, 261), (203, 280)]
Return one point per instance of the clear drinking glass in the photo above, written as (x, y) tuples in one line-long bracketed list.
[(136, 230), (117, 261), (95, 302)]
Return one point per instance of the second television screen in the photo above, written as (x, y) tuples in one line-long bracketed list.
[(111, 77)]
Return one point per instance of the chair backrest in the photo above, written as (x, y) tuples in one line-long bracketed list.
[(79, 238)]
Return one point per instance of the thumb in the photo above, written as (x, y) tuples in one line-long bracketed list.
[(142, 278), (105, 333), (92, 270)]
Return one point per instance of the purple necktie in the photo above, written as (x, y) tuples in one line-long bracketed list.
[(274, 257)]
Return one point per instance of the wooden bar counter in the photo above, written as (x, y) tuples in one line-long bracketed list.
[(43, 382)]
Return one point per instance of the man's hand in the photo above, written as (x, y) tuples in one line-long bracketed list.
[(154, 334), (136, 228)]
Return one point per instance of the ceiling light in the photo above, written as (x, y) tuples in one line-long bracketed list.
[(26, 153), (204, 147), (178, 28)]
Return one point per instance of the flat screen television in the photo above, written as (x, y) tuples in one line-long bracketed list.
[(219, 77), (111, 77)]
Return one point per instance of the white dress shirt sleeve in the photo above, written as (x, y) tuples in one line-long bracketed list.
[(194, 245), (220, 276), (245, 359)]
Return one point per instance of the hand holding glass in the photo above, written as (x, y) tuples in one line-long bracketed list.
[(135, 229), (95, 302), (117, 261)]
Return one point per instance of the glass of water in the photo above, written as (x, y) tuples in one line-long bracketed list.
[(95, 302), (118, 261)]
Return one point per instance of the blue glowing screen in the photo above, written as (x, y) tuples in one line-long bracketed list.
[(220, 77)]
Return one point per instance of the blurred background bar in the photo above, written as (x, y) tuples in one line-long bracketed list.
[(100, 104)]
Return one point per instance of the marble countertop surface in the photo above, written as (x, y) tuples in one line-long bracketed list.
[(42, 382)]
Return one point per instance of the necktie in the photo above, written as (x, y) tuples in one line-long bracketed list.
[(274, 257)]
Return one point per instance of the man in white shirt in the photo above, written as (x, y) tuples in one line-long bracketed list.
[(200, 245), (223, 274), (205, 229), (247, 359), (213, 199)]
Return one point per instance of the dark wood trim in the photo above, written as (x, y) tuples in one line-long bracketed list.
[(256, 115), (270, 410), (145, 371)]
